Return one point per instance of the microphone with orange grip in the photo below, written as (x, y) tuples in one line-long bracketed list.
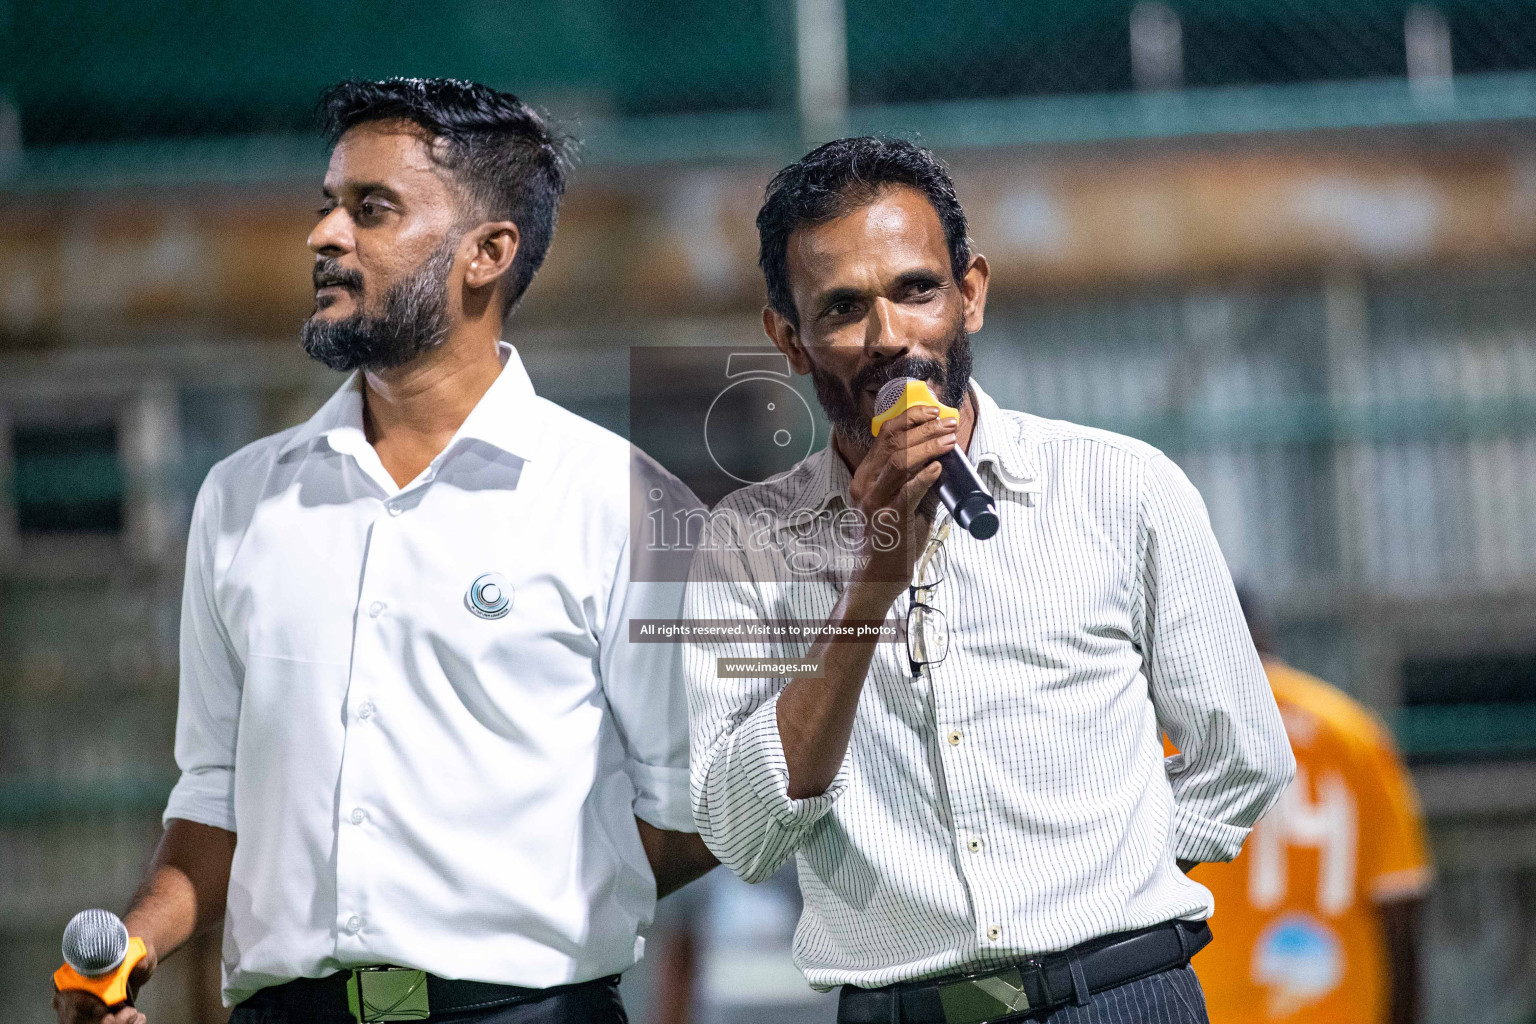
[(99, 955), (959, 486)]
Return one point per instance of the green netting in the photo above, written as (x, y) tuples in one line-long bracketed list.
[(91, 71)]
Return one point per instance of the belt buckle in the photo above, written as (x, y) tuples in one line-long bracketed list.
[(387, 993), (984, 998)]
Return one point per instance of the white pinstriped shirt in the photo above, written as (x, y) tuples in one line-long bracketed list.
[(1014, 799)]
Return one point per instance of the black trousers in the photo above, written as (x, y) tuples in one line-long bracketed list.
[(596, 1002)]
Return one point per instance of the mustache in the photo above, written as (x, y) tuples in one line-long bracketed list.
[(329, 271), (874, 377)]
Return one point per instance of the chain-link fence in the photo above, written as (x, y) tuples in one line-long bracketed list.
[(909, 50), (79, 72)]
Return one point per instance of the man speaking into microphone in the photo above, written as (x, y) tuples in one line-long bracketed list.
[(984, 822)]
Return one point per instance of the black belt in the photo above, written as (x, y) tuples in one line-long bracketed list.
[(327, 997), (1024, 989)]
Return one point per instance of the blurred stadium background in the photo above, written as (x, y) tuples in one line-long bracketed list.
[(1292, 242)]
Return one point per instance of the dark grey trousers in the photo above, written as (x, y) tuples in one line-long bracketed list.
[(1171, 997), (595, 1003)]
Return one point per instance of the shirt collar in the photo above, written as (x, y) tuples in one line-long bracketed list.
[(503, 418), (995, 439), (1004, 442)]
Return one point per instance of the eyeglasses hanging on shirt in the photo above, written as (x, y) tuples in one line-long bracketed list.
[(927, 627)]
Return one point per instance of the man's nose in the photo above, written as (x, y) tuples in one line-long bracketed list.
[(333, 235), (884, 337)]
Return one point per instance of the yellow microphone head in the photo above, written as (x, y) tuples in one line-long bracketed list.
[(901, 394)]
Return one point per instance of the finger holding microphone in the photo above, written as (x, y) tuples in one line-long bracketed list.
[(107, 960), (899, 471), (959, 486), (104, 967)]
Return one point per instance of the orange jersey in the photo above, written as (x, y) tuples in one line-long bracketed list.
[(1297, 936)]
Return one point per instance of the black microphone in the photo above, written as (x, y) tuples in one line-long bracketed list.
[(959, 486)]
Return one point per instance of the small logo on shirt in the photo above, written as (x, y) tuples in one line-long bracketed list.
[(1299, 960), (490, 596)]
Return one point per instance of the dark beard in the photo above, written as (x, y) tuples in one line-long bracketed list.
[(841, 402), (414, 319)]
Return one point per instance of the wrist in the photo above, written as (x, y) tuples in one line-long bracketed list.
[(869, 598), (139, 930)]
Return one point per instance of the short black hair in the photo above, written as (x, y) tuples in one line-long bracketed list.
[(831, 180), (509, 161)]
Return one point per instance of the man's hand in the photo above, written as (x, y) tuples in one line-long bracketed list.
[(815, 716), (75, 1006), (888, 490), (182, 893)]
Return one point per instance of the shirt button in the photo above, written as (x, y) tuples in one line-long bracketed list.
[(394, 509), (954, 738), (975, 844), (358, 817), (993, 933), (354, 925), (366, 711), (376, 609)]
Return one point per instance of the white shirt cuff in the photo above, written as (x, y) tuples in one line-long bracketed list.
[(661, 796), (206, 796), (760, 746), (1205, 840)]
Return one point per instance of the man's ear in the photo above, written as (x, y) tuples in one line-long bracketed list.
[(492, 248), (786, 338), (973, 287)]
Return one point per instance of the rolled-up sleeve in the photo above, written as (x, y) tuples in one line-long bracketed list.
[(740, 779), (1207, 683), (208, 705), (643, 682), (644, 686)]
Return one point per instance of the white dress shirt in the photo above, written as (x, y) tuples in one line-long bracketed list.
[(413, 783), (1013, 799)]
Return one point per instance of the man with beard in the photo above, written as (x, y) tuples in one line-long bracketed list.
[(406, 680), (984, 822)]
